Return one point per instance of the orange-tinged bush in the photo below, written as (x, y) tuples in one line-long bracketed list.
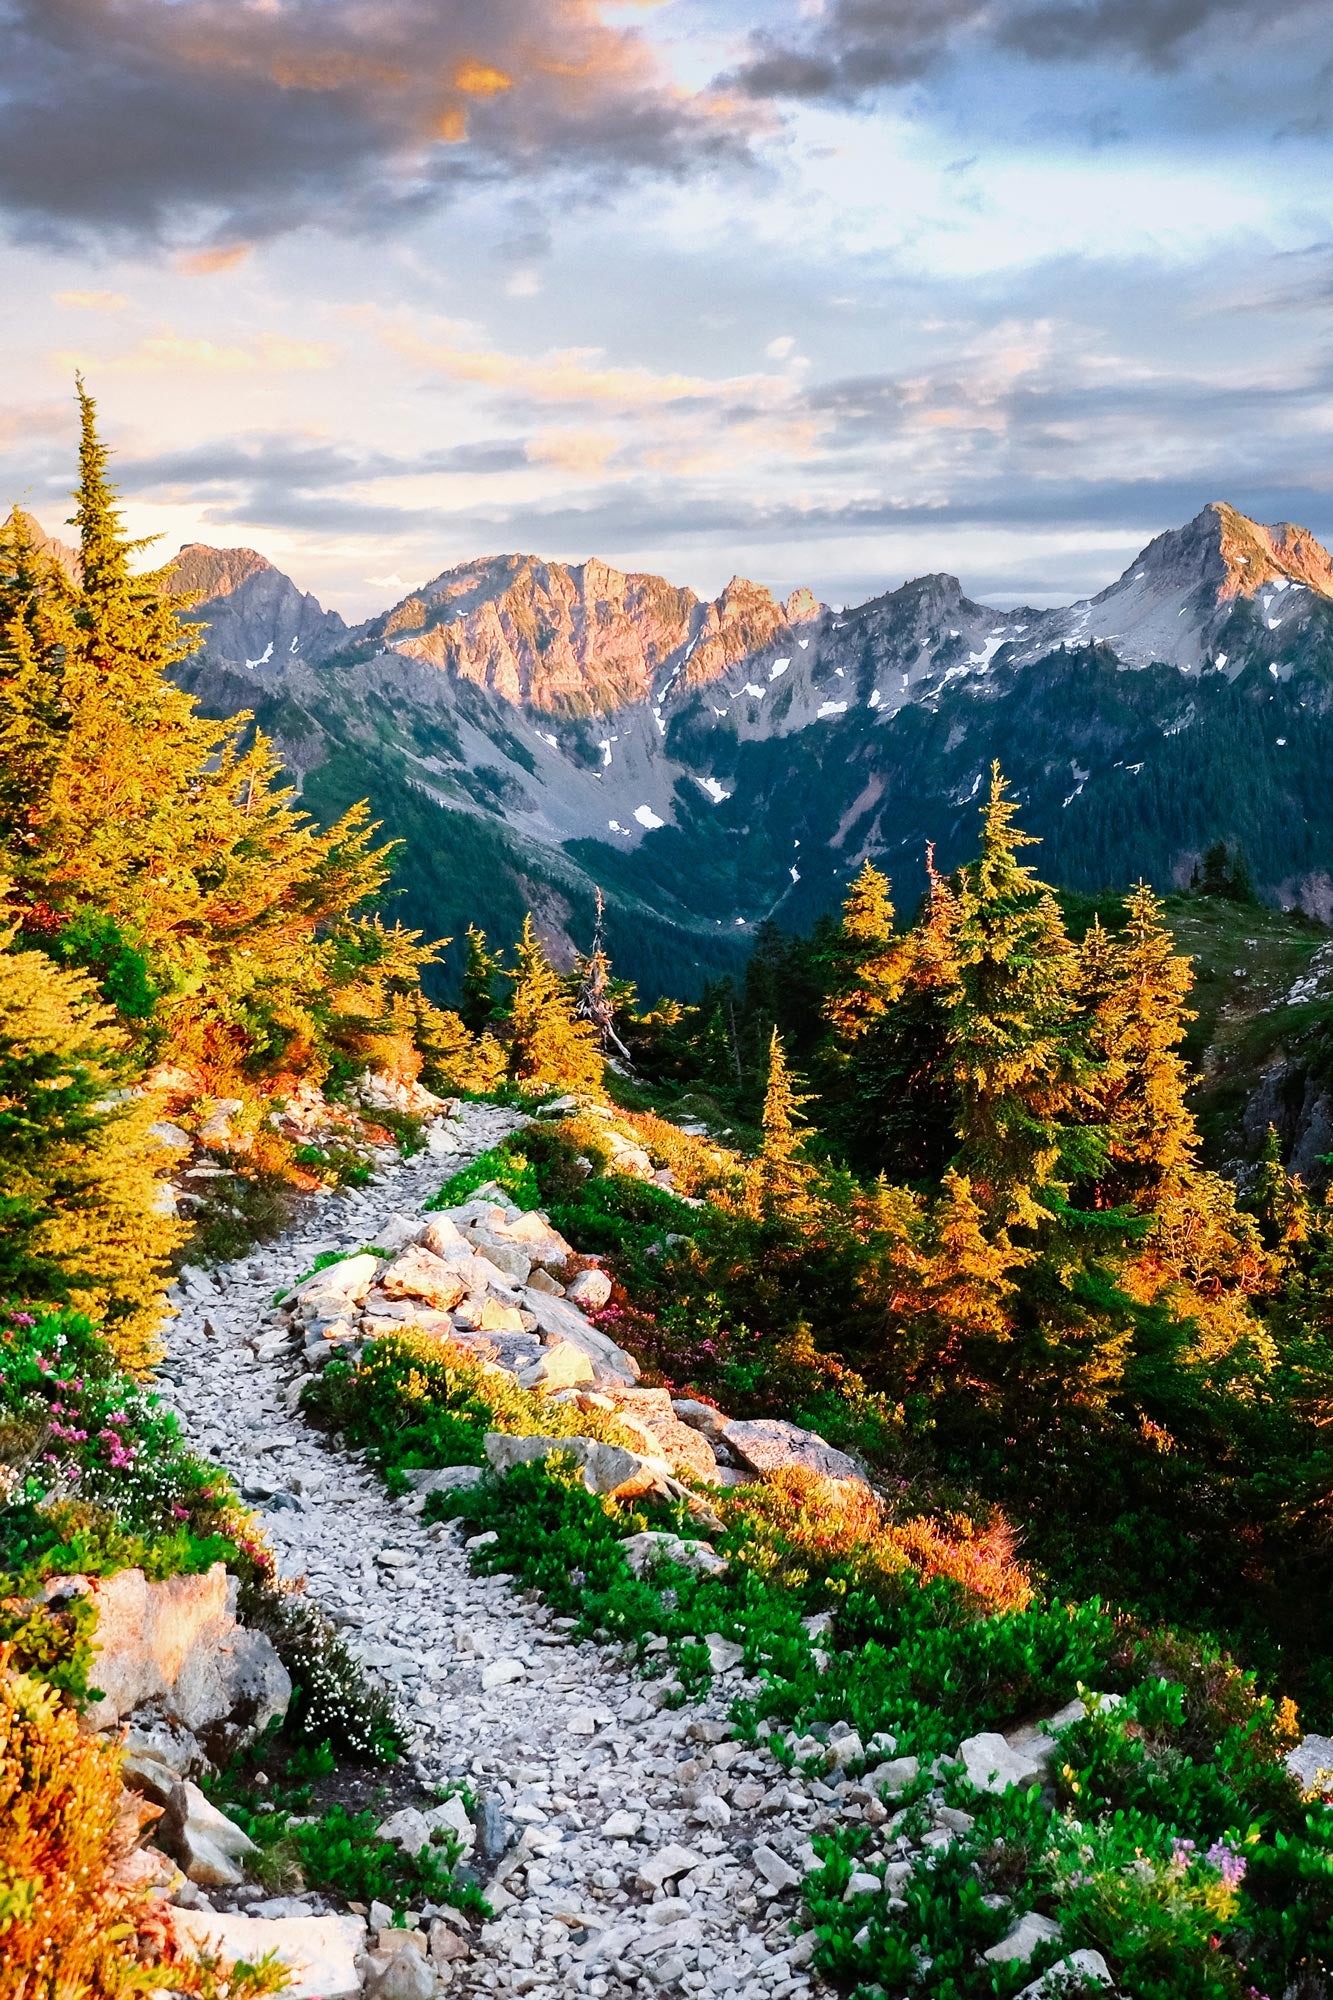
[(802, 1524), (70, 1927)]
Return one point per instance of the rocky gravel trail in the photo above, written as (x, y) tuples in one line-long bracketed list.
[(626, 1847)]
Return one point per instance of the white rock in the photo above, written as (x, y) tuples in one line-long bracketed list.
[(499, 1673), (419, 1274), (992, 1765), (1084, 1965), (320, 1952), (723, 1654), (1023, 1939), (406, 1977), (589, 1288), (1312, 1755), (350, 1279), (779, 1874), (894, 1775), (446, 1478), (655, 1544), (559, 1366), (622, 1825), (664, 1866)]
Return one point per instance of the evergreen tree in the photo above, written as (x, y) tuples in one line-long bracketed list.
[(865, 970), (783, 1175), (595, 1001), (549, 1049), (1285, 1213), (1134, 990), (1012, 1033), (966, 1280), (121, 806), (894, 1102), (81, 1215), (480, 1006)]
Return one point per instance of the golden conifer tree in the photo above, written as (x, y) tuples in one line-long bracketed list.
[(117, 799), (1135, 989), (1012, 1022), (783, 1175), (82, 1220), (549, 1048), (866, 970)]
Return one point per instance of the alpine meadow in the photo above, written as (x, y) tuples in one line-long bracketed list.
[(666, 1247)]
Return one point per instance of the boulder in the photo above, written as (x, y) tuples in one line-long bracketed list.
[(589, 1288), (545, 1245), (399, 1232), (769, 1444), (170, 1136), (686, 1450), (1068, 1975), (445, 1478), (176, 1650), (1029, 1932), (420, 1274), (413, 1830), (404, 1975), (992, 1764), (606, 1468), (559, 1366), (656, 1870), (701, 1417), (1312, 1755), (510, 1259), (655, 1545), (319, 1952), (492, 1315), (542, 1281), (443, 1238), (350, 1278), (208, 1845), (557, 1319)]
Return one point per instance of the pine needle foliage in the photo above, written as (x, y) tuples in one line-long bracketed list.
[(1012, 1029), (80, 1215), (549, 1047), (121, 805)]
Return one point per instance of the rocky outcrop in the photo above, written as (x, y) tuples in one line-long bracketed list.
[(321, 1954), (174, 1652), (582, 640)]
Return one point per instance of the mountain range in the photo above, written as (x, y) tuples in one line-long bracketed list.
[(532, 729)]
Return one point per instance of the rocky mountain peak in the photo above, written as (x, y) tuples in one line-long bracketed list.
[(59, 551), (205, 573), (1232, 556)]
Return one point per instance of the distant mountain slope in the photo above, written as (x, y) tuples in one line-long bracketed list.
[(580, 640), (252, 612), (534, 728)]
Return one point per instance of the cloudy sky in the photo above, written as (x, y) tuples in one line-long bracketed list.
[(821, 291)]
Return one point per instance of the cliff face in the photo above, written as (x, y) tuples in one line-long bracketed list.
[(584, 639)]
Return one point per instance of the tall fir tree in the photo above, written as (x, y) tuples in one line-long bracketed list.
[(483, 974), (1013, 1034), (783, 1175), (82, 1216), (892, 1095), (865, 968), (549, 1048), (1134, 991), (121, 806), (595, 1001)]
